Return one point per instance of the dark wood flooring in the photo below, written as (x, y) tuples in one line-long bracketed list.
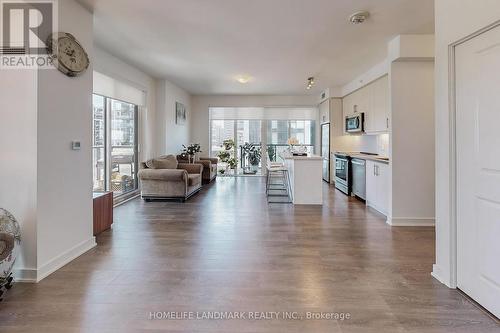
[(226, 249)]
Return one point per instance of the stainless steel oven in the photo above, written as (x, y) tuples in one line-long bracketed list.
[(355, 123), (342, 173)]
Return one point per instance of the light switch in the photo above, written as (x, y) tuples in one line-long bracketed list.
[(75, 145)]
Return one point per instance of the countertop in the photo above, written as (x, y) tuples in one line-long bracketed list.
[(376, 158), (308, 157)]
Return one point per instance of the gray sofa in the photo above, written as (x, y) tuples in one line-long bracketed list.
[(165, 178)]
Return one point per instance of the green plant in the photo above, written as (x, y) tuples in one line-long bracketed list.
[(191, 149), (253, 153), (227, 155), (228, 144), (271, 151), (224, 156), (232, 163)]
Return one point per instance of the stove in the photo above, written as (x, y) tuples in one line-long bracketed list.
[(343, 172)]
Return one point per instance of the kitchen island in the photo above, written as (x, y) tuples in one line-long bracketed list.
[(306, 179)]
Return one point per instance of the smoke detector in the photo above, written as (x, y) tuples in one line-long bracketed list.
[(359, 17)]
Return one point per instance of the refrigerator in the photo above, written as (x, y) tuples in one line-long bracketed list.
[(325, 150)]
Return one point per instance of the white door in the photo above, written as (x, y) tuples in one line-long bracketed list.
[(478, 168)]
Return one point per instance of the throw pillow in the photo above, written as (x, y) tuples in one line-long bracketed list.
[(168, 162)]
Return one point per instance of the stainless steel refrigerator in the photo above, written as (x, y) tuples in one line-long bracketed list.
[(325, 150)]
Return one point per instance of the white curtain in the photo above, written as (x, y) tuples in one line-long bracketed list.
[(263, 113)]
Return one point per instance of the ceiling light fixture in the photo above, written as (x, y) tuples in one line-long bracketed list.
[(310, 82), (243, 78), (359, 17)]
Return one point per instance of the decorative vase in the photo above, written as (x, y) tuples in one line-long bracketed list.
[(10, 241)]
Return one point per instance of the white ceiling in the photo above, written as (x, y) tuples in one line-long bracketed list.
[(201, 45)]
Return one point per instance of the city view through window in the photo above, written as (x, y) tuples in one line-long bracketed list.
[(269, 136), (114, 145)]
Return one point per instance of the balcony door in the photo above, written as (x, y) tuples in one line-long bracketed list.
[(114, 146)]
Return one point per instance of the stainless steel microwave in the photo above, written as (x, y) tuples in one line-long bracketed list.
[(355, 123)]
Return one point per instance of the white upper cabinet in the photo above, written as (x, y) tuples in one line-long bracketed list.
[(324, 112), (373, 100), (379, 106)]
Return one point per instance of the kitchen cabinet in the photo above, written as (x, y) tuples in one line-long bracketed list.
[(373, 100), (324, 112), (377, 116), (377, 186)]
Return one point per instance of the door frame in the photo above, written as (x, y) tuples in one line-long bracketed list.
[(452, 98)]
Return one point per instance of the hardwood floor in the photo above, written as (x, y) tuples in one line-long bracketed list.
[(226, 249)]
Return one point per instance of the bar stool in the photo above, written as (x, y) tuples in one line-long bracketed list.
[(281, 175)]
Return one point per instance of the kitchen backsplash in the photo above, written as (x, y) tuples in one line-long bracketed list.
[(377, 144)]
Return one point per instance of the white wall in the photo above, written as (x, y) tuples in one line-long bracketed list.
[(114, 67), (454, 20), (64, 181), (171, 136), (412, 142), (371, 75), (18, 148), (201, 103)]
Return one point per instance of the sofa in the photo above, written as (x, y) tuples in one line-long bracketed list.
[(165, 178), (209, 166)]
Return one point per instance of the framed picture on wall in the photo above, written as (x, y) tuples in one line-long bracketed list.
[(180, 113)]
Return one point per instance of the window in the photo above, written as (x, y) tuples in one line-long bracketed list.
[(98, 141), (279, 131), (114, 145)]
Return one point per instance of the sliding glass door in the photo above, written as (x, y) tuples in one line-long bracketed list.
[(256, 139), (115, 146), (98, 143), (279, 131)]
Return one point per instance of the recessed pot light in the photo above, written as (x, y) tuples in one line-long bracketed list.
[(243, 78)]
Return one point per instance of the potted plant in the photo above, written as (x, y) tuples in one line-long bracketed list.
[(227, 156), (252, 155), (192, 151)]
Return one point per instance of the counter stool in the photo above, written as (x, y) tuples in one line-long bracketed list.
[(282, 183)]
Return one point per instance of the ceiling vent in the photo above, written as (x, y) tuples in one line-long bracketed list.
[(359, 17)]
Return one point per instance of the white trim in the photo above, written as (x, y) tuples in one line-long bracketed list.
[(452, 281), (378, 209), (64, 258), (411, 221), (27, 275), (437, 273)]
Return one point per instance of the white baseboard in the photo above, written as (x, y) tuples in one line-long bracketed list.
[(411, 222), (437, 273), (24, 275), (64, 258), (31, 275)]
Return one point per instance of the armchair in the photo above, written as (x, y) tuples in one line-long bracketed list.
[(209, 167)]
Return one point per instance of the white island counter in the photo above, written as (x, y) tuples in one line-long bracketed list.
[(306, 179)]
